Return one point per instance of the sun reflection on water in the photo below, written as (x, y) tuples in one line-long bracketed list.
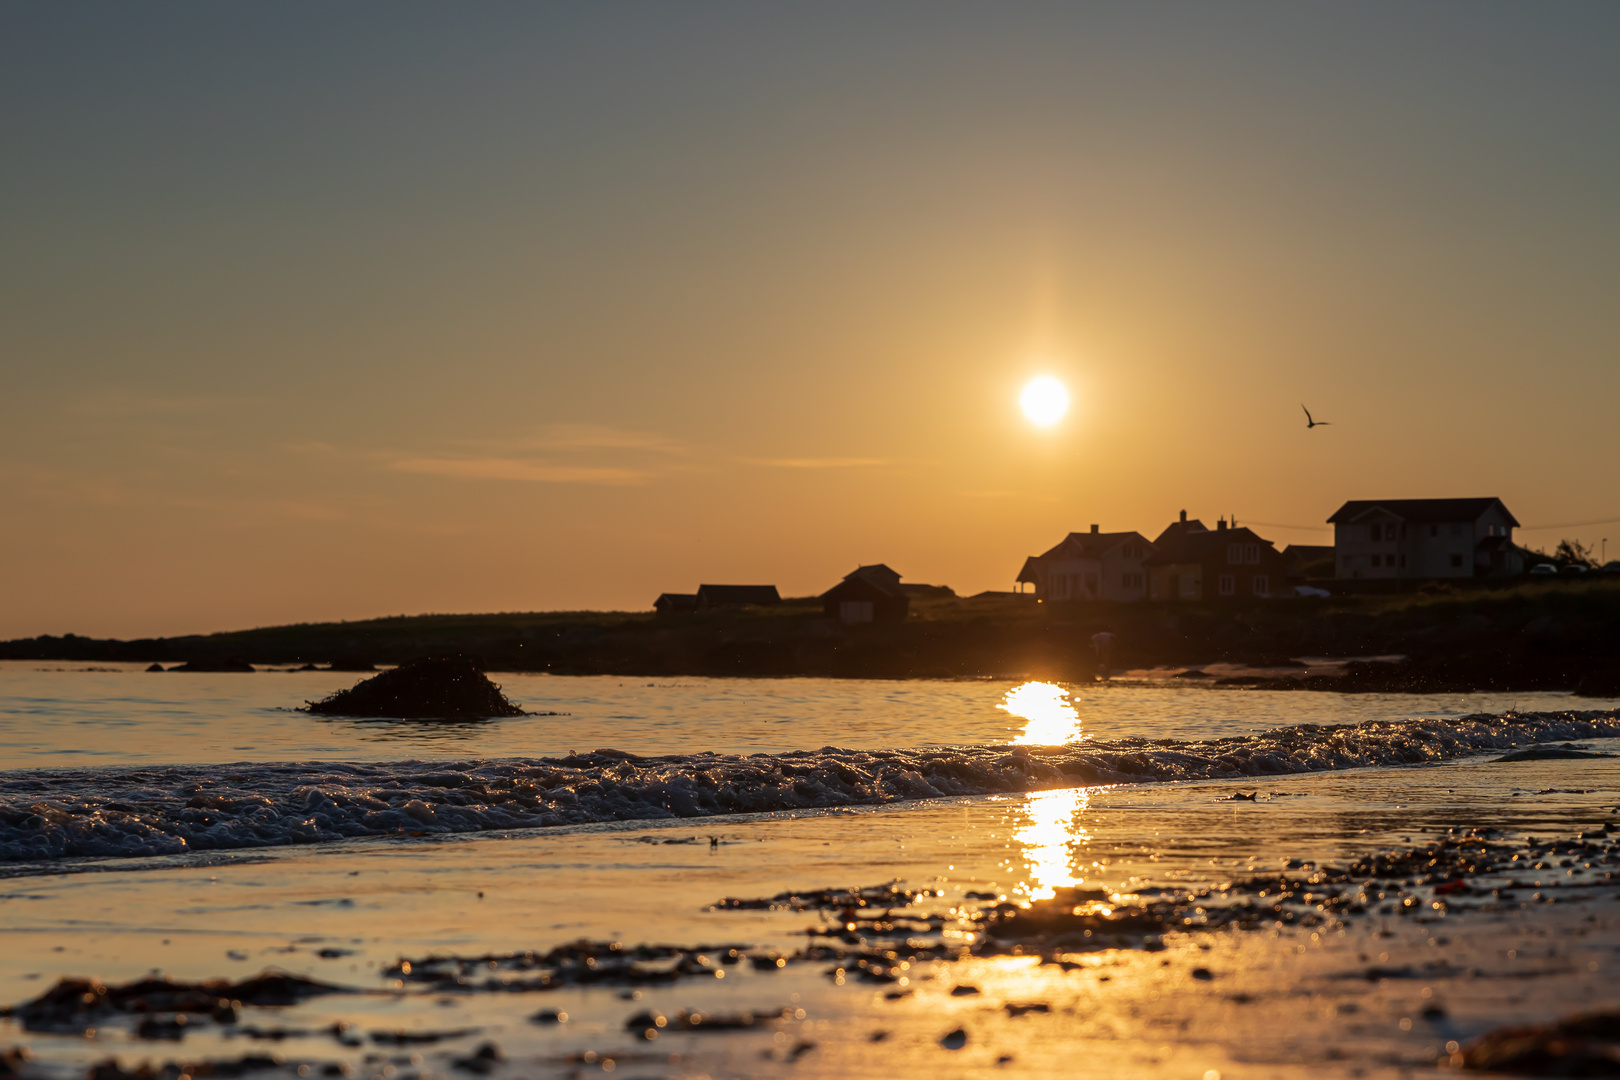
[(1050, 717), (1050, 838)]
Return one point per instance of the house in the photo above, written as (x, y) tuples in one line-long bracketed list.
[(672, 603), (1090, 566), (1177, 529), (867, 594), (716, 596), (1308, 560), (1424, 538), (1191, 563)]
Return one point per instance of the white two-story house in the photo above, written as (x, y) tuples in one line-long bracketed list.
[(1424, 538), (1090, 566)]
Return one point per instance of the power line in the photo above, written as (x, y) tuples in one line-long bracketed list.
[(1306, 528), (1567, 525)]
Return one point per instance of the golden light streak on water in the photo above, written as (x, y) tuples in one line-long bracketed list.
[(1050, 838), (1050, 718)]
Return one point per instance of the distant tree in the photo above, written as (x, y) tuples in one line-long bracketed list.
[(1573, 553)]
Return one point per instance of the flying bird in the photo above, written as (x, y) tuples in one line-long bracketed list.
[(1309, 423)]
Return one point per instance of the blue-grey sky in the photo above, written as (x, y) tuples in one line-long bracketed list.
[(326, 311)]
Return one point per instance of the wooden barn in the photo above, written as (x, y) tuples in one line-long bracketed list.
[(717, 596), (672, 603), (867, 594)]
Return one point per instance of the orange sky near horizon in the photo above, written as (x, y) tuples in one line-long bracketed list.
[(314, 313)]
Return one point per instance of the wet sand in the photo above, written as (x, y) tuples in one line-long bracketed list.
[(1327, 994)]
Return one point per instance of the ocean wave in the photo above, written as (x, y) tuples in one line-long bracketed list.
[(141, 812)]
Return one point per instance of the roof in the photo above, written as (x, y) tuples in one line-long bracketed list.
[(1179, 528), (675, 601), (1435, 510), (1194, 547), (1308, 552), (1027, 574), (1091, 545), (728, 595), (879, 576), (865, 588)]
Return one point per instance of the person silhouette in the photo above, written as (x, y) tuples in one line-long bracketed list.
[(1102, 643)]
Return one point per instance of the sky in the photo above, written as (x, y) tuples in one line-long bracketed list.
[(314, 311)]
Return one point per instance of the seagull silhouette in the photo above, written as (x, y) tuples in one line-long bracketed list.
[(1309, 423)]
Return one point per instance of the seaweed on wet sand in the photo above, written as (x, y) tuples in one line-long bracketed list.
[(436, 688), (166, 1006), (1586, 1045), (888, 895), (578, 963)]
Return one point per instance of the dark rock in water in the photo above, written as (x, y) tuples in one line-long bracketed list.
[(447, 688), (955, 1040), (1550, 753), (155, 667), (241, 666), (1579, 1046), (351, 664)]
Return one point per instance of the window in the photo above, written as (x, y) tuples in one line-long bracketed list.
[(1189, 585), (1456, 562), (1228, 584), (1378, 560), (1251, 554), (1234, 553), (1130, 581), (1262, 586)]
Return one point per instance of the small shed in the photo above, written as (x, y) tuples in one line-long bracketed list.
[(867, 594), (672, 603), (716, 596)]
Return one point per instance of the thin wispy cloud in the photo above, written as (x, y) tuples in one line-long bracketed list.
[(820, 462), (518, 469), (593, 437), (117, 402)]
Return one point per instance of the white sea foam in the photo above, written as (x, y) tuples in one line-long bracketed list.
[(132, 812)]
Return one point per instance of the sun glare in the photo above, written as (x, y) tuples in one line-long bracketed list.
[(1044, 400), (1050, 717)]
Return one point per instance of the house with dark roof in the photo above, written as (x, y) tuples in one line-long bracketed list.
[(717, 596), (1089, 566), (1204, 564), (867, 594), (1425, 538), (1308, 560), (674, 603)]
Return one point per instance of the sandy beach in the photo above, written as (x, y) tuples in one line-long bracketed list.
[(1196, 933)]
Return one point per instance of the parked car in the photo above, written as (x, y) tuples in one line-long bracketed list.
[(1574, 568), (1542, 569), (1310, 590), (1610, 567)]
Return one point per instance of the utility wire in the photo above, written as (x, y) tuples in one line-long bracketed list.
[(1567, 525), (1522, 528)]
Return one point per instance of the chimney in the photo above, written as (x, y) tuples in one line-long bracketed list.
[(1094, 530), (1184, 517), (1220, 524)]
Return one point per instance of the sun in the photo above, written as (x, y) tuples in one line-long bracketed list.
[(1044, 400)]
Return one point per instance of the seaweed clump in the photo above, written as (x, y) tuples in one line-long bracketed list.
[(441, 688)]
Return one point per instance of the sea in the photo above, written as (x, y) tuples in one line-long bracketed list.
[(202, 826)]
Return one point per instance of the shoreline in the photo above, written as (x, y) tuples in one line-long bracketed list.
[(1556, 637), (1307, 985)]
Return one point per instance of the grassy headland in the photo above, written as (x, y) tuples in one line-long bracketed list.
[(1536, 636)]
